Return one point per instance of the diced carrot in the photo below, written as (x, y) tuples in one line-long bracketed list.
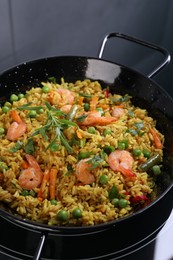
[(15, 116), (79, 134), (156, 138), (93, 103), (45, 180), (81, 100), (53, 178)]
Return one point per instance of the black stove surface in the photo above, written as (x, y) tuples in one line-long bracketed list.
[(32, 30)]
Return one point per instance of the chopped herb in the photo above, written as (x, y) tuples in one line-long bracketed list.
[(28, 107), (113, 193), (52, 79), (96, 161), (81, 118), (17, 147), (54, 122), (29, 147)]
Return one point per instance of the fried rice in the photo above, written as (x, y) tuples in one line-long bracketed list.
[(66, 124)]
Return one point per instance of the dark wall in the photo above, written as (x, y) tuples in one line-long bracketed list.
[(35, 29)]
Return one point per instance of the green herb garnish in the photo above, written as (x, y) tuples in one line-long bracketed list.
[(17, 147)]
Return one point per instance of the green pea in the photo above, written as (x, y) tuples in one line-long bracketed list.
[(137, 152), (5, 109), (107, 131), (115, 202), (45, 89), (32, 113), (14, 97), (91, 130), (20, 95), (77, 213), (123, 144), (108, 149), (54, 147), (2, 130), (40, 111), (25, 193), (32, 193), (83, 155), (146, 153), (62, 215), (123, 203), (156, 170), (7, 104), (103, 179), (3, 166), (53, 202), (86, 106)]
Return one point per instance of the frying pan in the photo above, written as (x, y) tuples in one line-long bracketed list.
[(133, 231)]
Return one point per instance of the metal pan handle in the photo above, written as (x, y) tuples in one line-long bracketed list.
[(167, 56), (40, 247)]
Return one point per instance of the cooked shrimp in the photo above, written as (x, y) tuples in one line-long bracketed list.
[(17, 128), (31, 177), (61, 97), (83, 170), (117, 112), (66, 108), (122, 161), (95, 118)]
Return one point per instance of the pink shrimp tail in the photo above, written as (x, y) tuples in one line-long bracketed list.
[(127, 172)]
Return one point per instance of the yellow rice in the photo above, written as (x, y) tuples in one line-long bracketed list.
[(92, 199)]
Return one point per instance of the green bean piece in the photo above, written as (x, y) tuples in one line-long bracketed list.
[(153, 160)]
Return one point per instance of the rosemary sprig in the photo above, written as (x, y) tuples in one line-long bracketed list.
[(54, 122)]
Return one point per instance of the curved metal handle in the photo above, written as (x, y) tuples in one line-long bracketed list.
[(40, 247), (167, 56)]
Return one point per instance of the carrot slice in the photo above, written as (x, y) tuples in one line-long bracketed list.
[(53, 178), (81, 100), (45, 180), (93, 103), (156, 138), (15, 116)]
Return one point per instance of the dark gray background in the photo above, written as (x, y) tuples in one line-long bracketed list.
[(34, 29)]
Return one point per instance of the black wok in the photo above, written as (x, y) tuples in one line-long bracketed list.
[(122, 236)]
